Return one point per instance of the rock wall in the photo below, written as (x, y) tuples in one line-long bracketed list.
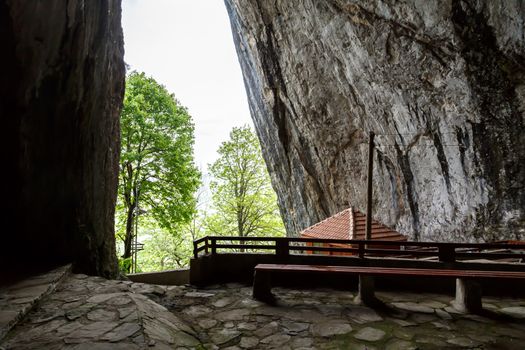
[(61, 88), (441, 83)]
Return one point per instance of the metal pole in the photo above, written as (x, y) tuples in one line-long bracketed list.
[(136, 239), (368, 230)]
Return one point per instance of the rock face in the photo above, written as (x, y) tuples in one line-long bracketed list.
[(61, 86), (441, 83)]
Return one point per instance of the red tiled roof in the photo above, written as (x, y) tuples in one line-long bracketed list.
[(334, 227), (350, 223)]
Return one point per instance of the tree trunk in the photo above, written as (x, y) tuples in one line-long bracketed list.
[(128, 239), (241, 234), (240, 226)]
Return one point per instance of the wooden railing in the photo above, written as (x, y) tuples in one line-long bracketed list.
[(284, 246)]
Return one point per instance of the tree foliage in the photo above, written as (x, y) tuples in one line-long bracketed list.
[(157, 173), (244, 203), (164, 251)]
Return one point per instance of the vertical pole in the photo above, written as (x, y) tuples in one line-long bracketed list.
[(195, 250), (136, 240), (368, 230), (282, 247), (213, 247), (361, 252)]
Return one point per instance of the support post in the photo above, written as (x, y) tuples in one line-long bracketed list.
[(262, 286), (468, 296), (368, 229), (282, 248), (361, 249), (447, 253), (213, 246), (134, 267), (195, 254), (366, 291)]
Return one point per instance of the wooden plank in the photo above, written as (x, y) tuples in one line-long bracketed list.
[(392, 271), (244, 246), (326, 249), (200, 249), (200, 240), (238, 238), (397, 252), (490, 255)]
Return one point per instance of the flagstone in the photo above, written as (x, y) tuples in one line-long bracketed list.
[(363, 314), (276, 340), (370, 334), (327, 329), (222, 302), (207, 323), (122, 332), (92, 330), (514, 311), (398, 344), (294, 327), (463, 342), (248, 342), (223, 336), (443, 314), (266, 330), (414, 307), (232, 315)]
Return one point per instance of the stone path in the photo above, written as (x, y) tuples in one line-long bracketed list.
[(94, 313), (17, 299)]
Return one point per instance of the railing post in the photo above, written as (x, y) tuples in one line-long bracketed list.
[(282, 248), (447, 253), (213, 246), (361, 248), (195, 246), (206, 246), (369, 189)]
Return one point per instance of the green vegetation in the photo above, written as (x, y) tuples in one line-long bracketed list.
[(244, 203), (158, 198), (157, 174)]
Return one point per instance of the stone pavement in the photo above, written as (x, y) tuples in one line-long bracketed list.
[(94, 313), (16, 300)]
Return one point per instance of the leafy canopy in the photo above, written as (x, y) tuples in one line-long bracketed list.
[(244, 201), (157, 173)]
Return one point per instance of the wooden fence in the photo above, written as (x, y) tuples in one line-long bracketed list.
[(284, 246)]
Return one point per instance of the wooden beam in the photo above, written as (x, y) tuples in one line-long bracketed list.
[(368, 229)]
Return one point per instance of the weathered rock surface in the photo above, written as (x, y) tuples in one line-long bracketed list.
[(61, 85), (442, 85)]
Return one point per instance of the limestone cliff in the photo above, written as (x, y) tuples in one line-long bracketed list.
[(441, 82), (61, 86)]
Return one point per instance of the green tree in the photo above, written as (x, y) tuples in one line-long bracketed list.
[(164, 251), (244, 202), (157, 173)]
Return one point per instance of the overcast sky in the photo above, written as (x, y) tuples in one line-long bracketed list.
[(187, 46)]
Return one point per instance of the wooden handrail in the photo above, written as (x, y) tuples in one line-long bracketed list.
[(376, 242), (445, 251), (200, 240), (243, 246)]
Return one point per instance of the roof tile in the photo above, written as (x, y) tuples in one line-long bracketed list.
[(338, 227)]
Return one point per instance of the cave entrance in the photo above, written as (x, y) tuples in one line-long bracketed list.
[(187, 46)]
